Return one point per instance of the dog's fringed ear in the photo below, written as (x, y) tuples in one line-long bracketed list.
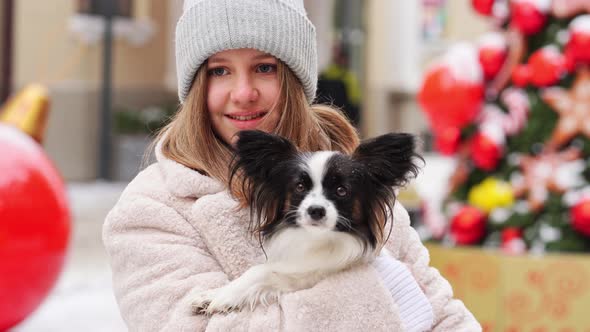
[(390, 158), (261, 158), (258, 153)]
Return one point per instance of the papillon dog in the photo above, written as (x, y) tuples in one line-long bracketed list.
[(316, 213)]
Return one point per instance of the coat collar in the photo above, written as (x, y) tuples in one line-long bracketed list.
[(224, 230), (222, 226), (184, 182)]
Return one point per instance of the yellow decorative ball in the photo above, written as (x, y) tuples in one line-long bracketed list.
[(490, 194)]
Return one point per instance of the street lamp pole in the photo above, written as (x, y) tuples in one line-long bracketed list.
[(7, 31), (107, 9)]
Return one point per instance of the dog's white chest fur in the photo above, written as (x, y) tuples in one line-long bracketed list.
[(312, 249), (298, 258)]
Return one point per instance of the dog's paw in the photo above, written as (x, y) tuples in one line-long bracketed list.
[(218, 300), (201, 302)]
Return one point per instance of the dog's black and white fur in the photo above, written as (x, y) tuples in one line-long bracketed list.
[(317, 213)]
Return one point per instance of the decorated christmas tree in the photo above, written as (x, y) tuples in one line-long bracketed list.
[(513, 110)]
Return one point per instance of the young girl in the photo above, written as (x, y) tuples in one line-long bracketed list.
[(176, 231)]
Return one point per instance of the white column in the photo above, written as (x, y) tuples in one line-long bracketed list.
[(393, 61), (393, 44), (321, 13), (174, 12)]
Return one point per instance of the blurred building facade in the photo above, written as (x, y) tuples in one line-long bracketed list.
[(57, 45), (60, 44)]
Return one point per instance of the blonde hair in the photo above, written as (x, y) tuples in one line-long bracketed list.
[(190, 140)]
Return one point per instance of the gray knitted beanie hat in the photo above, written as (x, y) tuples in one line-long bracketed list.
[(278, 27)]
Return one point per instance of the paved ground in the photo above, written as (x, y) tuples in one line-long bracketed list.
[(82, 300)]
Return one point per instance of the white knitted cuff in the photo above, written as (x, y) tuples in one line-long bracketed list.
[(415, 310)]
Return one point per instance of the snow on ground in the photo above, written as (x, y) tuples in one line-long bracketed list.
[(82, 299)]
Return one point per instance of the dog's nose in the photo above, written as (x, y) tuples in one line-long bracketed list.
[(316, 212)]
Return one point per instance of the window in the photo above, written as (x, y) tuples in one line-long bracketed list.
[(123, 8), (434, 20)]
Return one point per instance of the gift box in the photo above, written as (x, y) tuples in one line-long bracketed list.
[(523, 293)]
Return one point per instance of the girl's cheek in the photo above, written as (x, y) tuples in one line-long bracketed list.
[(271, 89), (215, 96)]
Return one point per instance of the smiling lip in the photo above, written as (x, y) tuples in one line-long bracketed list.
[(246, 120)]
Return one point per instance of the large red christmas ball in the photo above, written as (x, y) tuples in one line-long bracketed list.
[(484, 7), (485, 152), (528, 16), (468, 225), (580, 216), (34, 226), (578, 45), (547, 66)]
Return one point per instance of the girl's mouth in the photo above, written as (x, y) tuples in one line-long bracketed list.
[(246, 121), (247, 117)]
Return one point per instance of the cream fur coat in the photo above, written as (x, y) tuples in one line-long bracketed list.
[(174, 233)]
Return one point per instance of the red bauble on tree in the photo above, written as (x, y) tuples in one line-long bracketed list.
[(580, 216), (452, 93), (512, 242), (529, 16), (547, 66), (577, 49), (468, 225), (492, 54), (511, 233), (484, 7), (486, 151), (521, 75)]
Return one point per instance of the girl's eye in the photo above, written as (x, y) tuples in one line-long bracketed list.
[(219, 71), (266, 68), (300, 187), (341, 191)]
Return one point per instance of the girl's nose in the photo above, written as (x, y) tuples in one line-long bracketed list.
[(244, 91)]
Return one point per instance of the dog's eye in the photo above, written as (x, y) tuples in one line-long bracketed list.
[(300, 187), (341, 191)]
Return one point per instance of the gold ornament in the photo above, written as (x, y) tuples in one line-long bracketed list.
[(28, 110)]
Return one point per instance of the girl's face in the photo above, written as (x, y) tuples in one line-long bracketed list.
[(242, 91)]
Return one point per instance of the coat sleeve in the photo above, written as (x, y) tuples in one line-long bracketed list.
[(159, 260), (157, 263), (450, 314)]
